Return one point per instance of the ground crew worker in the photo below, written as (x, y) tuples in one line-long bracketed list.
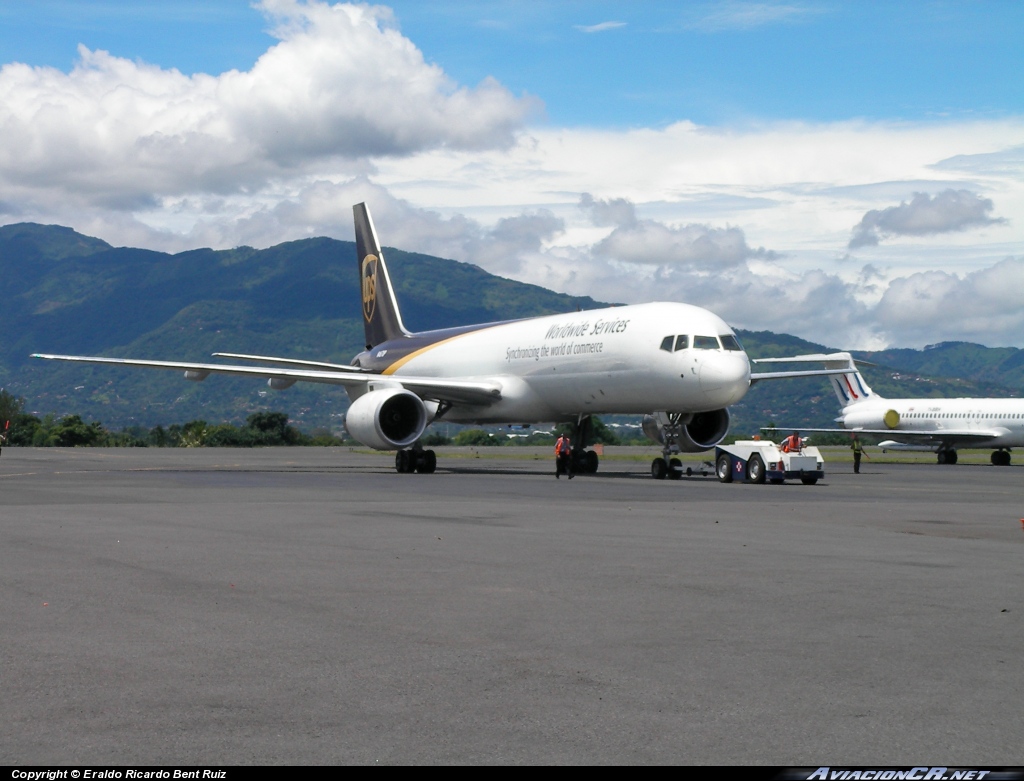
[(792, 443), (858, 451), (563, 457)]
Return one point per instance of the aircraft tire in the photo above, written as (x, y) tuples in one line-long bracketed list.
[(405, 461), (723, 468), (675, 469), (1001, 458), (659, 469), (755, 469), (427, 462), (590, 462), (941, 456), (951, 457)]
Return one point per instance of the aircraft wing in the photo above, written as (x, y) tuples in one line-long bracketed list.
[(965, 437), (298, 364), (471, 392)]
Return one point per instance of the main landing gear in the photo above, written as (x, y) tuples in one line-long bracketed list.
[(416, 460), (587, 462), (948, 456), (1000, 457), (584, 462)]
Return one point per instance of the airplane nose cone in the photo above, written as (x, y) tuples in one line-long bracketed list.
[(725, 377)]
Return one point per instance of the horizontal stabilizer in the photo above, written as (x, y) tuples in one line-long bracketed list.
[(815, 358), (790, 375)]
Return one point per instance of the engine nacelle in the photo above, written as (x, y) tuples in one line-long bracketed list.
[(700, 431), (871, 418), (387, 419)]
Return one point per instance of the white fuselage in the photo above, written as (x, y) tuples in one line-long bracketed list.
[(599, 361), (1002, 417)]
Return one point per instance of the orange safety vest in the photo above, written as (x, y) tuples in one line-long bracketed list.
[(791, 443), (562, 447)]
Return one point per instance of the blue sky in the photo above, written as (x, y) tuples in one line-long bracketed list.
[(862, 163), (654, 62)]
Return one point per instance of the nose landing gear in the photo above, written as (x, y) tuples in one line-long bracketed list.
[(671, 431)]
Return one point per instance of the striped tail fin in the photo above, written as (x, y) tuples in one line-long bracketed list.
[(850, 388), (382, 319)]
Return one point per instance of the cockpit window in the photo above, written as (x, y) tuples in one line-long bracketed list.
[(730, 342), (705, 342), (682, 342), (666, 343)]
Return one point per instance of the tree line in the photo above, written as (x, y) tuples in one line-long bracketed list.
[(263, 429), (260, 429)]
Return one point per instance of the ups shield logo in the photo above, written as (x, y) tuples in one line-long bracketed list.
[(369, 276)]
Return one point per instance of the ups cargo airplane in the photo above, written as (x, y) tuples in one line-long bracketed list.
[(678, 365), (938, 425)]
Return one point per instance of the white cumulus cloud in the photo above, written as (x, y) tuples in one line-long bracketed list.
[(341, 84), (655, 243), (951, 210), (934, 306)]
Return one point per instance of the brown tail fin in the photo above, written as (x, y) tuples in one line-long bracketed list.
[(381, 317)]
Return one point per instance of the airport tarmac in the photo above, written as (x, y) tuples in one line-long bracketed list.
[(311, 606)]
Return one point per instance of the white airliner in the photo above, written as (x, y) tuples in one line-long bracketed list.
[(678, 365), (939, 425)]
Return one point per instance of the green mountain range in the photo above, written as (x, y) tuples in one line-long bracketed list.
[(62, 292)]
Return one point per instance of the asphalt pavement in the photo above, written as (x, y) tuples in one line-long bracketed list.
[(311, 606)]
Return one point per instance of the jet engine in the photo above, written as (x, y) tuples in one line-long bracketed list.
[(691, 433), (387, 419), (871, 418)]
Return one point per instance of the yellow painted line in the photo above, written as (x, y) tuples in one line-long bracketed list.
[(402, 361)]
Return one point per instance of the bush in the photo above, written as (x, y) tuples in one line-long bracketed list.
[(226, 435), (71, 431), (476, 437), (193, 434), (10, 407), (271, 428), (23, 429)]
